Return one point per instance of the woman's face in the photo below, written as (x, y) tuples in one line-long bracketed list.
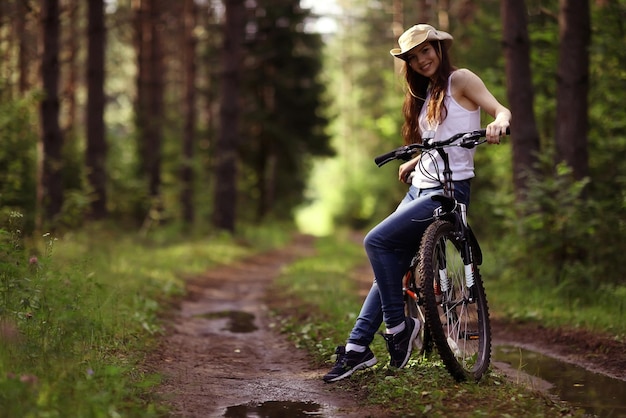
[(424, 60)]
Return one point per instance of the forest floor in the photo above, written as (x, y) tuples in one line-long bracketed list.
[(211, 369)]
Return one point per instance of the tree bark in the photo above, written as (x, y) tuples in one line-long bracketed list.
[(150, 88), (187, 172), (96, 141), (52, 139), (22, 57), (426, 14), (72, 50), (572, 121), (525, 136), (154, 128), (225, 201)]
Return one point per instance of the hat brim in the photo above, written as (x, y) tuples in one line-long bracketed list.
[(398, 53)]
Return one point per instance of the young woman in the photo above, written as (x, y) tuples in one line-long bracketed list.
[(440, 100)]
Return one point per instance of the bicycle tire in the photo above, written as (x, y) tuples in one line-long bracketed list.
[(459, 327)]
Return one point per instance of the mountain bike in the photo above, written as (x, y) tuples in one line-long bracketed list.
[(443, 287)]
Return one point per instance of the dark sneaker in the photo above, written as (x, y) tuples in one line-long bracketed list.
[(401, 344), (348, 363)]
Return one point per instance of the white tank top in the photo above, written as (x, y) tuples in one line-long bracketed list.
[(429, 170)]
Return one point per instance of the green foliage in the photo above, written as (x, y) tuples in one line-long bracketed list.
[(570, 238), (556, 225), (283, 110), (69, 337), (18, 158), (78, 313), (564, 244)]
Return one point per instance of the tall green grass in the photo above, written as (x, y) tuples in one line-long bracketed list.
[(514, 294), (557, 256), (79, 312)]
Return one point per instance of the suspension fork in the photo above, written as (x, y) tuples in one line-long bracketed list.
[(468, 256), (464, 242)]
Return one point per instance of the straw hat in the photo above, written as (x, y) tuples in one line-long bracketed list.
[(417, 35)]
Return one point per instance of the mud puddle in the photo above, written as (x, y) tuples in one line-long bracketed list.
[(275, 409), (599, 395)]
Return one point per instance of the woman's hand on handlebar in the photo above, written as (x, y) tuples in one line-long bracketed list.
[(497, 128), (406, 169)]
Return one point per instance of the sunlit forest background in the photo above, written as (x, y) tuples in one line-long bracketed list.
[(203, 115)]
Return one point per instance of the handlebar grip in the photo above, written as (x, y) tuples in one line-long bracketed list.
[(385, 158), (483, 132)]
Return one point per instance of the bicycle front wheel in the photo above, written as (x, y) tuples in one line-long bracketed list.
[(458, 316)]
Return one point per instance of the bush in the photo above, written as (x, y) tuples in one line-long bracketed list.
[(18, 158), (565, 237)]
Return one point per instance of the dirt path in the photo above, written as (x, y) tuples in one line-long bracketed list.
[(221, 356), (214, 367)]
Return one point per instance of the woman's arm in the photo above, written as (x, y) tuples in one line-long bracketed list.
[(407, 168), (470, 86)]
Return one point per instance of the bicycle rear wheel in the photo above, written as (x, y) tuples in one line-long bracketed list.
[(458, 317)]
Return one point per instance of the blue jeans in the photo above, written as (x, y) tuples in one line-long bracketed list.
[(390, 246)]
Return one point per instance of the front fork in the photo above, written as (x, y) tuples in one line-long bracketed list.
[(468, 264)]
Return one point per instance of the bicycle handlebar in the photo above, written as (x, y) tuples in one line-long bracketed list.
[(405, 153)]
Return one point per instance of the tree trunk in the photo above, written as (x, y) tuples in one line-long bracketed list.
[(150, 88), (96, 141), (426, 15), (71, 41), (398, 26), (52, 138), (142, 35), (187, 172), (525, 136), (225, 200), (573, 86), (443, 18), (154, 127), (207, 76), (22, 57)]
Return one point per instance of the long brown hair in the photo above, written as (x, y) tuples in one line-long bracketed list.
[(418, 88)]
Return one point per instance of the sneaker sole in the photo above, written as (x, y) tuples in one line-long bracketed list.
[(416, 330), (364, 365)]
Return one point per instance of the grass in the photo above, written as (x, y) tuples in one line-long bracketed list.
[(596, 306), (79, 312), (317, 307)]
